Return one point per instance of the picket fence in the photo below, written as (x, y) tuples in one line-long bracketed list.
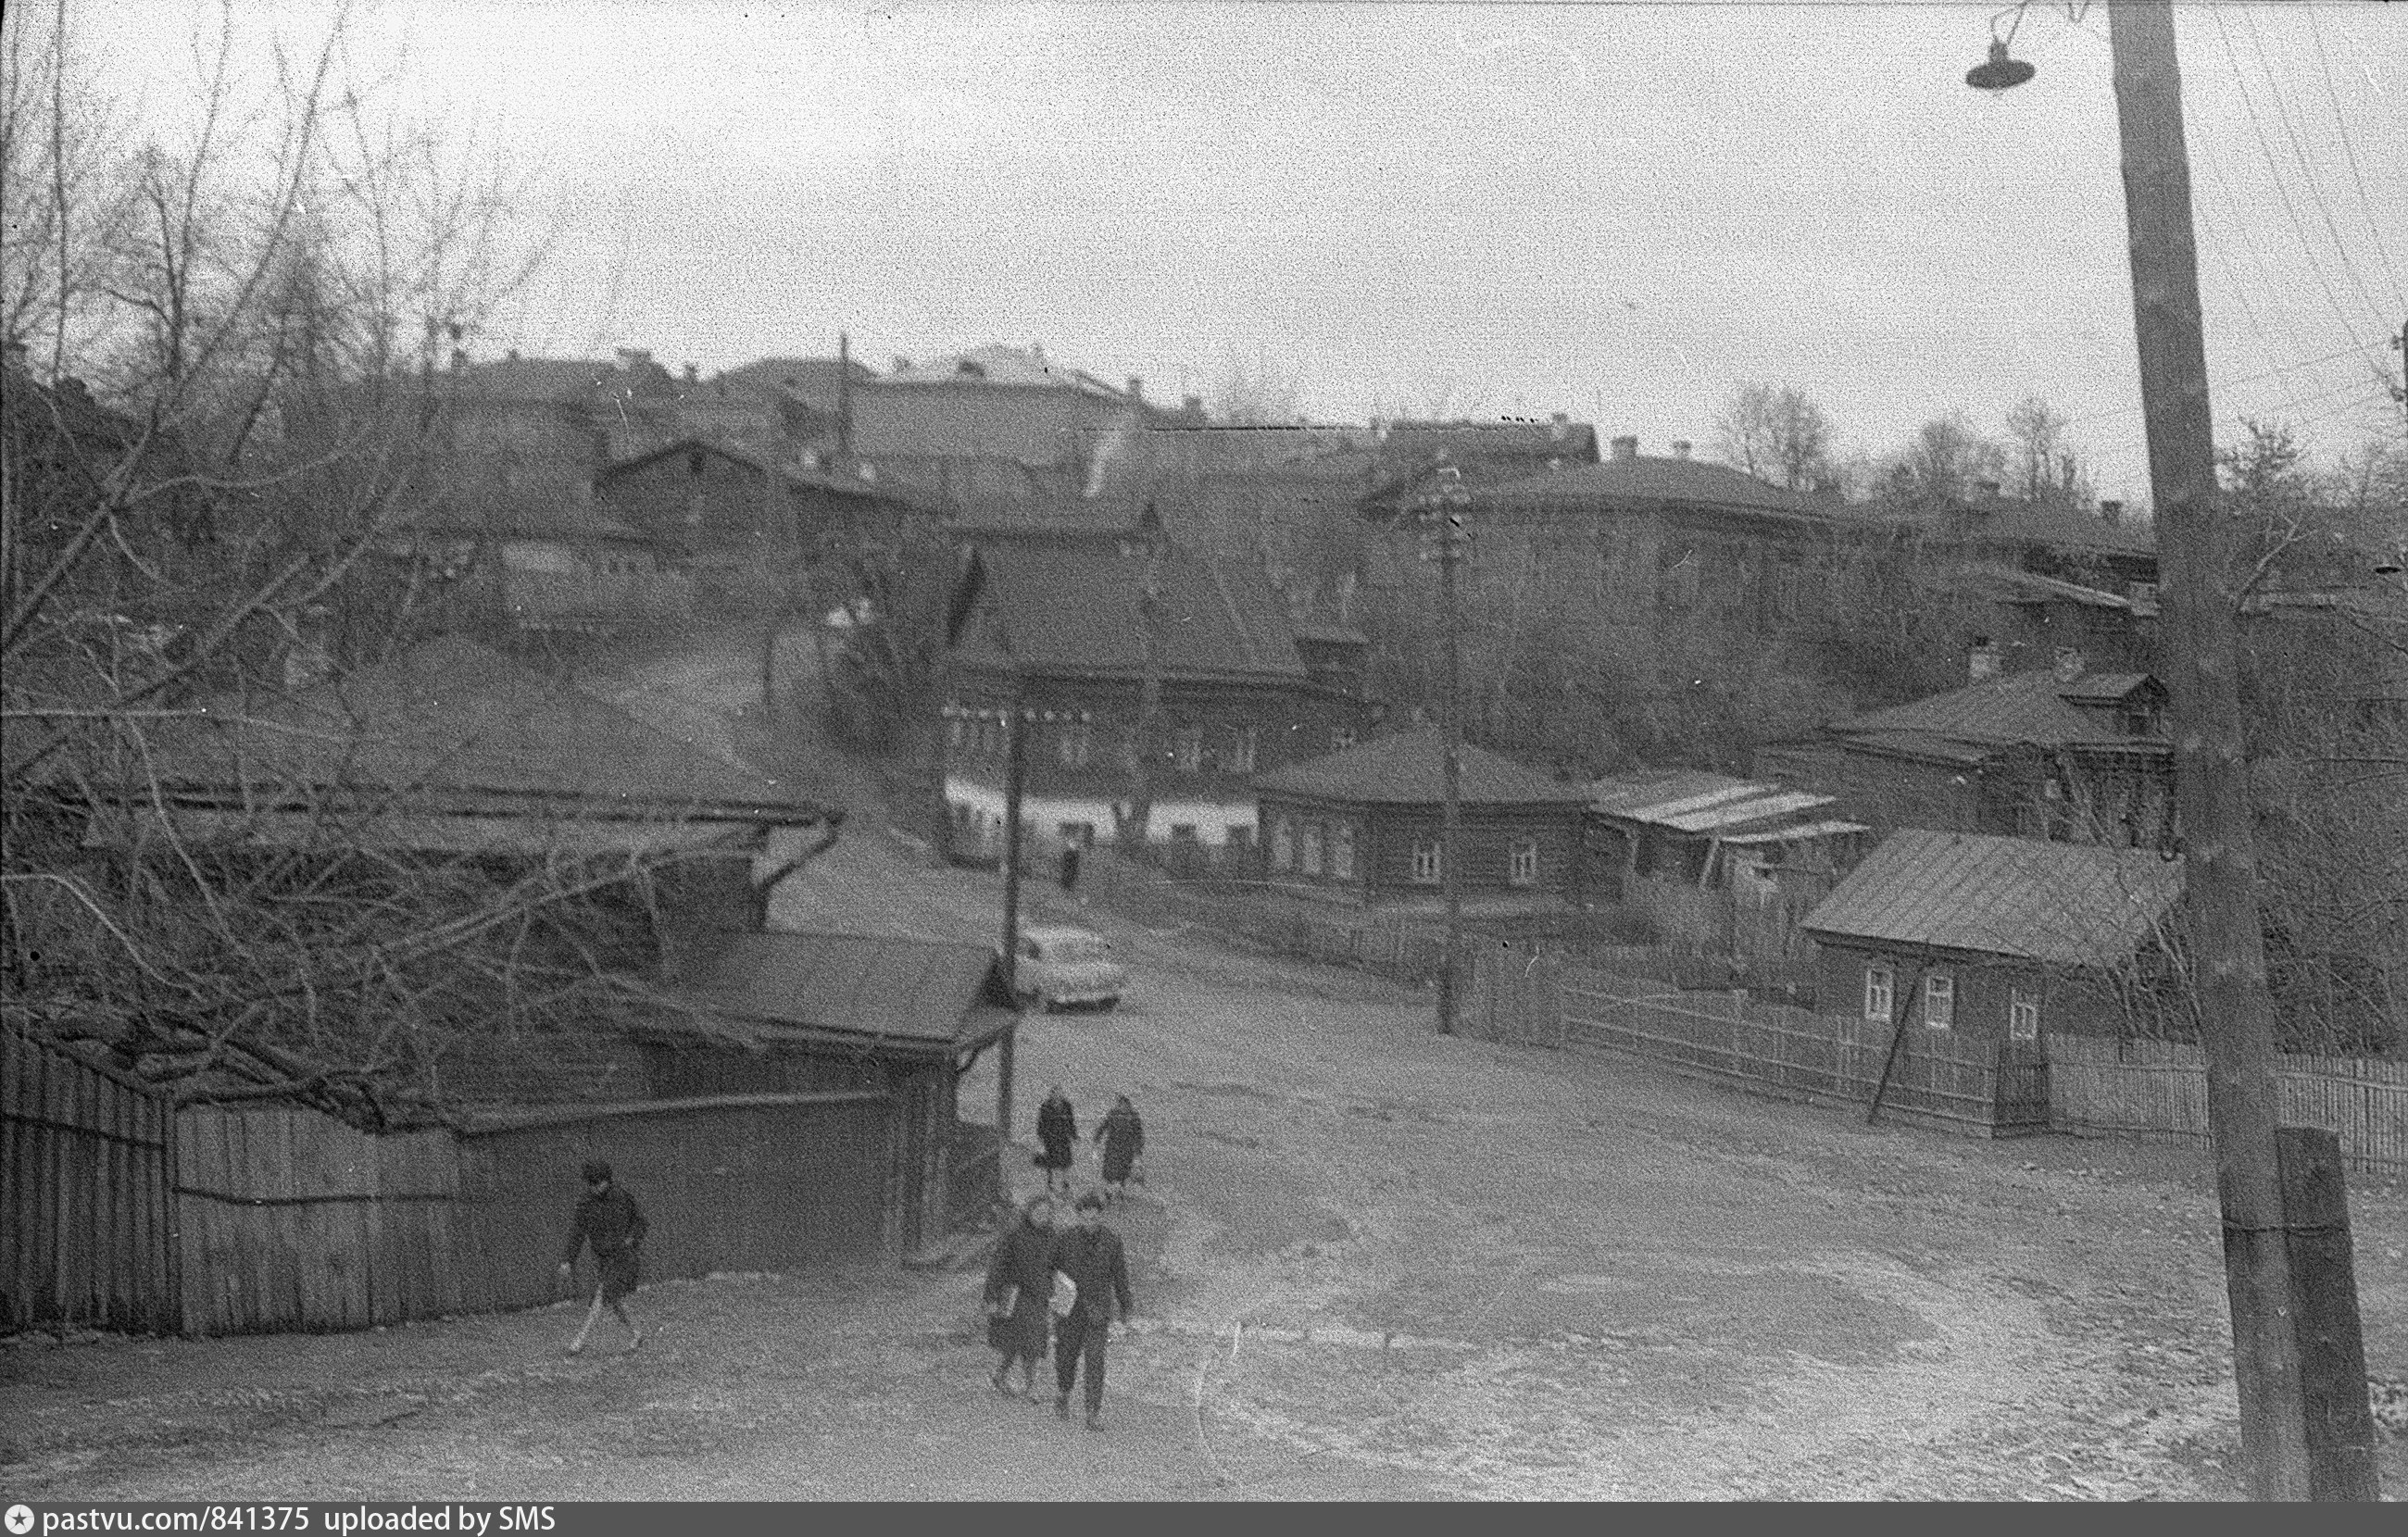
[(2159, 1089)]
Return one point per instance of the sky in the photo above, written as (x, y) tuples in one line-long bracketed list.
[(1615, 210)]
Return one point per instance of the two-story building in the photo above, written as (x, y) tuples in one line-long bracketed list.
[(1062, 628), (2066, 755)]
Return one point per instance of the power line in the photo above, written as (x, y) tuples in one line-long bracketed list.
[(2283, 110), (2222, 385), (2365, 202), (2274, 172)]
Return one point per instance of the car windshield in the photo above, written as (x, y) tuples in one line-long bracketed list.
[(1074, 949)]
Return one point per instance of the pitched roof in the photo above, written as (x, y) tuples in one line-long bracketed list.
[(452, 716), (2065, 903), (1652, 479), (1067, 604), (1709, 804), (1409, 769), (1008, 366), (2008, 710), (914, 991)]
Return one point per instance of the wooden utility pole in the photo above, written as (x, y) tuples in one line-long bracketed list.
[(1447, 508), (1014, 779), (2210, 770)]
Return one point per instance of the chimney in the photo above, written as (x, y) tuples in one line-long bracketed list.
[(459, 359), (693, 374), (2111, 513), (902, 365), (513, 355), (1559, 427), (2068, 665), (1987, 659), (1626, 448), (1192, 405), (1680, 448), (632, 357), (1137, 387), (1989, 489)]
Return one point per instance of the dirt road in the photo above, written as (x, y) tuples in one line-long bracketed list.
[(1371, 1262)]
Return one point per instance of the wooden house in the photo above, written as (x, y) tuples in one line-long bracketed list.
[(1996, 939), (1364, 826)]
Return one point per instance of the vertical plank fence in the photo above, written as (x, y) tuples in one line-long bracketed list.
[(2159, 1089), (87, 1222)]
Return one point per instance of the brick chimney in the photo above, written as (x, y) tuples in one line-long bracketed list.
[(1626, 448), (1559, 427), (2068, 665), (902, 365), (693, 374), (1680, 448), (1986, 660), (1136, 388), (1192, 405), (2111, 513)]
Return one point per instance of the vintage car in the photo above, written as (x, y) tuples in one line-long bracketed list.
[(1062, 967)]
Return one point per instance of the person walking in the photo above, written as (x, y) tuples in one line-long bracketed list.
[(1057, 1134), (1019, 1284), (1123, 1135), (1090, 1257), (610, 1221), (1070, 870)]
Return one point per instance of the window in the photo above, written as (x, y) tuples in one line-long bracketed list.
[(1081, 833), (1521, 862), (953, 734), (1182, 832), (1187, 751), (1309, 853), (1341, 850), (1075, 742), (1241, 836), (1283, 844), (1244, 743), (2023, 1014), (1940, 1001), (1425, 861), (1340, 738), (1879, 980)]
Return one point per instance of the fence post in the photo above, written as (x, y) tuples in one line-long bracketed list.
[(2324, 1310)]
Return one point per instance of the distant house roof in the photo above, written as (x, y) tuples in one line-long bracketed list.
[(2009, 710), (1650, 478), (1708, 805), (1009, 367), (1069, 605), (2073, 904), (452, 718), (1409, 769), (812, 379), (916, 994), (2028, 587)]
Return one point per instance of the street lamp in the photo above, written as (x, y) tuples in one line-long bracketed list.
[(1441, 514), (2288, 1371)]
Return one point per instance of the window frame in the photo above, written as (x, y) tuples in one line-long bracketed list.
[(1522, 862), (1341, 850), (1308, 849), (1187, 750), (1245, 750), (1074, 743), (2023, 1006), (1881, 981), (1429, 862), (1938, 999), (1282, 841)]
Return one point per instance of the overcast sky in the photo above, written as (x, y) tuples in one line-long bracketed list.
[(1615, 210)]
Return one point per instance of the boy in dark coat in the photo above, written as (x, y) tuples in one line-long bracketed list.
[(1019, 1282), (1124, 1138), (1091, 1256), (1057, 1132), (608, 1220)]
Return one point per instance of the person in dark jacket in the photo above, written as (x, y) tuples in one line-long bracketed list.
[(1019, 1283), (1071, 869), (610, 1221), (1091, 1257), (1057, 1132), (1124, 1138)]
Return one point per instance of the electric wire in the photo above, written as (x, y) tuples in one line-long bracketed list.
[(2365, 200), (2307, 168), (2275, 173)]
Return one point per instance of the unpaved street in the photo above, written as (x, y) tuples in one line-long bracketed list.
[(1372, 1262)]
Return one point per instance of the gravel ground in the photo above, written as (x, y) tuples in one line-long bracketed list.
[(1372, 1262)]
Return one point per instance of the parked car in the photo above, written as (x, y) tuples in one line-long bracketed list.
[(1062, 967)]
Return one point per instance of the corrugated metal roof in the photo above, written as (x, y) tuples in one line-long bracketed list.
[(1797, 834), (1739, 813), (924, 991), (1409, 769), (1619, 797), (2064, 903)]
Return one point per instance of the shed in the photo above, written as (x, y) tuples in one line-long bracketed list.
[(1997, 938), (791, 1012)]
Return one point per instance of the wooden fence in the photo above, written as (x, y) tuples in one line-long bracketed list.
[(119, 1210), (2160, 1088), (1971, 1087), (87, 1214)]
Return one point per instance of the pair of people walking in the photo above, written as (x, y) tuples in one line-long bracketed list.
[(1065, 1283), (1121, 1133)]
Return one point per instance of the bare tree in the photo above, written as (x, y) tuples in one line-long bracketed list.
[(1257, 393), (2047, 468), (1778, 434)]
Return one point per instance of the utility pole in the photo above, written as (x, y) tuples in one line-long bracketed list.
[(1014, 777), (1446, 507), (2211, 771)]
